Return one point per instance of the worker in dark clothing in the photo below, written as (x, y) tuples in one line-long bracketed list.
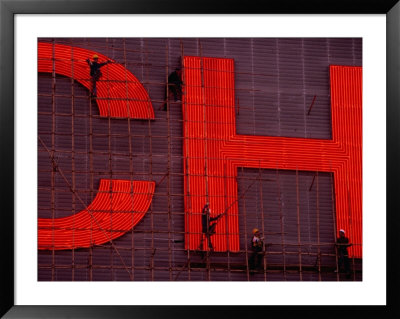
[(208, 228), (174, 86), (341, 244), (257, 247), (95, 72)]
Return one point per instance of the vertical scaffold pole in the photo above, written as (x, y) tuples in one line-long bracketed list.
[(53, 141), (299, 248), (262, 220), (282, 220), (73, 208), (318, 231)]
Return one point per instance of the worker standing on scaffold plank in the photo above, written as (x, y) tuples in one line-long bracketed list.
[(95, 72), (208, 228), (257, 246), (342, 243)]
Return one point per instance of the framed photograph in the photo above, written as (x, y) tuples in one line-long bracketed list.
[(180, 159)]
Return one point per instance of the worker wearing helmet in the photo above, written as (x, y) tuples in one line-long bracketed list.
[(257, 246), (95, 72)]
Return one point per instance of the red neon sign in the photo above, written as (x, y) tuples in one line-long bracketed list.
[(213, 151)]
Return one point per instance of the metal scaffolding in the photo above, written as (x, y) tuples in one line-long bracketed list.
[(79, 149)]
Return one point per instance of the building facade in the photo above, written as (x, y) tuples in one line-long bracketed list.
[(267, 130)]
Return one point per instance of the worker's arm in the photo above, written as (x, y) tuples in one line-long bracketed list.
[(217, 217), (343, 244), (104, 63)]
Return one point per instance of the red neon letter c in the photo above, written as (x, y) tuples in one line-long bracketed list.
[(119, 204)]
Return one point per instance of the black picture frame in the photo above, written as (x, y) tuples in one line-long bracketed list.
[(8, 10)]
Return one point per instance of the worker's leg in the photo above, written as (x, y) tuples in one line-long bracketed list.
[(251, 260), (210, 246), (94, 88), (93, 85), (340, 262), (208, 237), (179, 91), (203, 237), (259, 259), (95, 79), (346, 262), (212, 229), (174, 91)]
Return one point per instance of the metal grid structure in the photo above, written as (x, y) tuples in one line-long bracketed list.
[(281, 89)]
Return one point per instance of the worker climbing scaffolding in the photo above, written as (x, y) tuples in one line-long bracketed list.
[(174, 87), (208, 226), (95, 72), (257, 247)]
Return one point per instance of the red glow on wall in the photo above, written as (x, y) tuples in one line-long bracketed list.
[(118, 206), (119, 92), (213, 151)]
